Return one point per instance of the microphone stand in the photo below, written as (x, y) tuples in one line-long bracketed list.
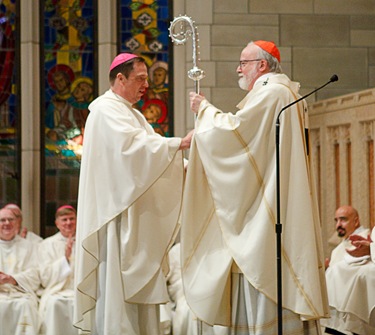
[(278, 227)]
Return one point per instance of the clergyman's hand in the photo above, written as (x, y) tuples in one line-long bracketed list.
[(195, 101), (23, 232), (186, 141), (7, 279), (362, 246), (326, 263), (69, 247)]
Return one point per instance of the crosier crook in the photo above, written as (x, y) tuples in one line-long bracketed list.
[(186, 29)]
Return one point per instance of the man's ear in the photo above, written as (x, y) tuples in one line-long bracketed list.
[(263, 65), (120, 76)]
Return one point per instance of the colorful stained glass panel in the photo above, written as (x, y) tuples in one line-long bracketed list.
[(9, 106), (68, 29), (144, 31)]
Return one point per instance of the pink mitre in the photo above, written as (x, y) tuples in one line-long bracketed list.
[(121, 58)]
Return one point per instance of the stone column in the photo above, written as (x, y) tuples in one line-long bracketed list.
[(30, 115)]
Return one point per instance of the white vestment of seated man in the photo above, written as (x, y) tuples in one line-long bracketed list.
[(19, 303), (351, 291), (57, 276)]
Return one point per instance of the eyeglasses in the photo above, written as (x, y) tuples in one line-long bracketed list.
[(2, 220), (245, 61)]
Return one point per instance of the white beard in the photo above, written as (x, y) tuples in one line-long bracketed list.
[(242, 82), (247, 79)]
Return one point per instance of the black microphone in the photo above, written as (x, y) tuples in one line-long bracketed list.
[(334, 78), (331, 80)]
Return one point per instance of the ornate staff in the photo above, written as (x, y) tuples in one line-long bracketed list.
[(187, 28)]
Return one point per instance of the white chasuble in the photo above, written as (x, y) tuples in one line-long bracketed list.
[(129, 202), (229, 212)]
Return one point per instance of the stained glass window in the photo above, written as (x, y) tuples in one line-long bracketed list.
[(143, 30), (9, 105), (68, 65)]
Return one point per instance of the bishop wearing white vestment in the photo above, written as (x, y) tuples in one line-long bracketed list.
[(129, 202), (228, 241)]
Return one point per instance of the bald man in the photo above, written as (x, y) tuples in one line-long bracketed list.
[(347, 224), (350, 278)]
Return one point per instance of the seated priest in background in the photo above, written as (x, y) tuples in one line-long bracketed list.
[(56, 274), (19, 280), (23, 231), (351, 278), (347, 223)]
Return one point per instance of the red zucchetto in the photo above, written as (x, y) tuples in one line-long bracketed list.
[(270, 47)]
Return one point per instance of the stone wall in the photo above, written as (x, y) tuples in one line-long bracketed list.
[(317, 38)]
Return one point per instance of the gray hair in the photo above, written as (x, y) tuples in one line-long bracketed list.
[(273, 63)]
